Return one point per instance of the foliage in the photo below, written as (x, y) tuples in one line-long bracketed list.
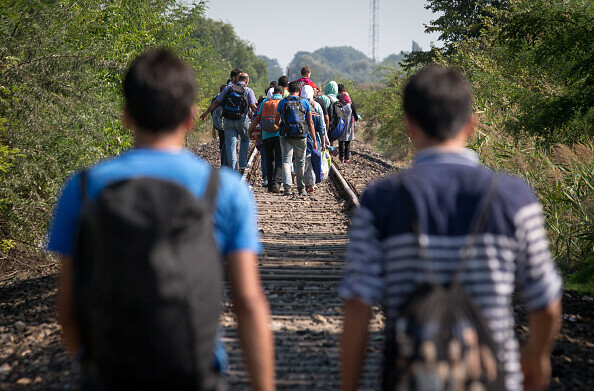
[(274, 69), (530, 63), (61, 63), (343, 63), (240, 54), (460, 19)]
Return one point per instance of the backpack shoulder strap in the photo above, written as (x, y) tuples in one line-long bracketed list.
[(84, 178), (479, 221), (212, 189)]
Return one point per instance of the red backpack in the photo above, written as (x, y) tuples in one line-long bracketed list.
[(268, 115)]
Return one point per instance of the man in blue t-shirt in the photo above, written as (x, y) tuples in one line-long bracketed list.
[(446, 184), (294, 144), (159, 138)]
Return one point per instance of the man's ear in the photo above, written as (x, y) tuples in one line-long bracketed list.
[(411, 128), (470, 126), (190, 122), (127, 119)]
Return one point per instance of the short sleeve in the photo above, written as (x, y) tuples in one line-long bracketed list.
[(221, 96), (363, 275), (65, 218), (306, 105), (537, 279), (235, 218), (251, 96)]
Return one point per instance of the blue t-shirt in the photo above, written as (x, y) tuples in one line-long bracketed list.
[(235, 211), (266, 135), (282, 103)]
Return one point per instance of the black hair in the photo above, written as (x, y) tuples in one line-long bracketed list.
[(273, 83), (305, 71), (283, 81), (278, 89), (243, 77), (294, 87), (341, 88), (159, 90), (439, 100), (235, 72)]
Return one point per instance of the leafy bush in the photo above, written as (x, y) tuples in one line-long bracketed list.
[(61, 64), (530, 63)]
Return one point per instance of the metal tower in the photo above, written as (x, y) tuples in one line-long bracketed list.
[(373, 29)]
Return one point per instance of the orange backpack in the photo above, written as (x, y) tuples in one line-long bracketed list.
[(268, 115)]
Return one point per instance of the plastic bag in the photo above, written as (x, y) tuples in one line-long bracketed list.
[(326, 162)]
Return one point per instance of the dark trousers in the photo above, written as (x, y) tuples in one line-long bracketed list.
[(344, 150), (274, 161), (222, 147)]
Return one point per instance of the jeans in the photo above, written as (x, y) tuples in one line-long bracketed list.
[(274, 161), (222, 147), (236, 129), (288, 147)]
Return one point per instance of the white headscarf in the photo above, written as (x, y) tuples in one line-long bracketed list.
[(307, 92), (270, 93)]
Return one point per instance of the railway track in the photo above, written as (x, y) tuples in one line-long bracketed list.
[(304, 241)]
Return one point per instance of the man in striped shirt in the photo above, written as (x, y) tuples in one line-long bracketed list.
[(446, 184)]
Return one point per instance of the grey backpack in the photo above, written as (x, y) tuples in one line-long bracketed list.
[(147, 284)]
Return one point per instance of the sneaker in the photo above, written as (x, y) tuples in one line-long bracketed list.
[(275, 189), (301, 192), (265, 183), (310, 189), (288, 192)]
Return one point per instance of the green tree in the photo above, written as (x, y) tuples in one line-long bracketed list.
[(274, 69), (61, 63)]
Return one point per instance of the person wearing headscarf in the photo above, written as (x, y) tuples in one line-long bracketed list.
[(344, 141), (307, 92), (331, 94)]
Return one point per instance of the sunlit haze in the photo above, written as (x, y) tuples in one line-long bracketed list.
[(279, 28)]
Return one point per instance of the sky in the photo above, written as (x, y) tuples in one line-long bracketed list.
[(279, 28)]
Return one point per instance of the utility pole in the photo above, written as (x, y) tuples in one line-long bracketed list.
[(373, 29)]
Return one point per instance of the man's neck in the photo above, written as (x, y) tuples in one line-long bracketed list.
[(170, 141)]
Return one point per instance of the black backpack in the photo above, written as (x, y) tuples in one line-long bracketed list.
[(293, 124), (440, 340), (235, 103), (338, 120), (147, 285)]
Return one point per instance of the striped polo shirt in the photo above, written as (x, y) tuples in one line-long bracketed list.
[(511, 253)]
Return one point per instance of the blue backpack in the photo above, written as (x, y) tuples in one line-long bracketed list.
[(235, 103), (293, 118)]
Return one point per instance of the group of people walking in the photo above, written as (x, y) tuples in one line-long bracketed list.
[(290, 124), (142, 239)]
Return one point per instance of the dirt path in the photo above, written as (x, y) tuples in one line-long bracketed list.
[(33, 358)]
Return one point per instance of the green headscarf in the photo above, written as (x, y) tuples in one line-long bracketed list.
[(331, 89)]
